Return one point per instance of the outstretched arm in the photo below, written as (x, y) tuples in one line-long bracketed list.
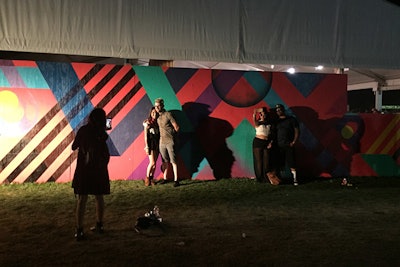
[(296, 136), (255, 119)]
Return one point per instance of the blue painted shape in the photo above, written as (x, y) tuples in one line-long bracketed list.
[(78, 114), (111, 148), (307, 138), (325, 158), (179, 77), (129, 129), (305, 82), (65, 85)]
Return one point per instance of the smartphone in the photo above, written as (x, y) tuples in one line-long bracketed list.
[(108, 124)]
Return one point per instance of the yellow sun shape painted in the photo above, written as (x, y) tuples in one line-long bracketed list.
[(347, 132), (10, 109)]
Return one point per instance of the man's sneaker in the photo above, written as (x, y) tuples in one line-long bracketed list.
[(295, 183), (176, 184), (98, 228), (79, 235)]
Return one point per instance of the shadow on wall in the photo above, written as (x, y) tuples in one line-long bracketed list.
[(203, 138), (327, 146)]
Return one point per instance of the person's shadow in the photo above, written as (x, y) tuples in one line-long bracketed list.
[(204, 137), (326, 147)]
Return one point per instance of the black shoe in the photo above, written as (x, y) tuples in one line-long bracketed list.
[(163, 181), (176, 184), (98, 228), (79, 235)]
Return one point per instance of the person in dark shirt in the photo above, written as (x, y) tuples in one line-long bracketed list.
[(168, 134), (91, 173), (287, 134)]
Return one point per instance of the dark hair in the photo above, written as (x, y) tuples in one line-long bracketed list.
[(98, 118), (149, 117), (280, 106)]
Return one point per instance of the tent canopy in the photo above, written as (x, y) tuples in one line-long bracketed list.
[(338, 33)]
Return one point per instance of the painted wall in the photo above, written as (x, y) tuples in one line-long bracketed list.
[(43, 104)]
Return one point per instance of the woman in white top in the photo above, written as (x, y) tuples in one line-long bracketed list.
[(262, 144)]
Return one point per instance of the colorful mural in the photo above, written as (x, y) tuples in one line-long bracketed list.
[(43, 104)]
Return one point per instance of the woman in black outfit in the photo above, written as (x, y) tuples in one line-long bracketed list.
[(91, 173), (152, 144)]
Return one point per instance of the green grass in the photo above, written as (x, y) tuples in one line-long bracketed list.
[(232, 222)]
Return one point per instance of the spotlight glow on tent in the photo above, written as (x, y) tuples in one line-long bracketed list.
[(291, 70)]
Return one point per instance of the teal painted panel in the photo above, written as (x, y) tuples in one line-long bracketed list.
[(32, 78), (3, 80), (257, 81), (156, 85), (382, 164), (241, 143)]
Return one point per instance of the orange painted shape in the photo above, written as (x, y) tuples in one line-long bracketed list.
[(374, 147), (190, 91), (81, 69), (24, 63), (120, 95), (110, 85)]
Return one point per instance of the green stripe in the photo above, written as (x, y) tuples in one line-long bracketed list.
[(382, 164), (156, 85), (241, 143)]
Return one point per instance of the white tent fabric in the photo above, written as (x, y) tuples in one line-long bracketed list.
[(340, 33)]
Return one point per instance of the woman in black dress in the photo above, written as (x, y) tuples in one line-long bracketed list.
[(91, 173), (152, 144)]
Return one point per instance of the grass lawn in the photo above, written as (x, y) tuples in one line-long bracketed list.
[(231, 222)]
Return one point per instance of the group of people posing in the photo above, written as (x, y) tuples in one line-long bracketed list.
[(160, 131), (273, 144), (273, 148)]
